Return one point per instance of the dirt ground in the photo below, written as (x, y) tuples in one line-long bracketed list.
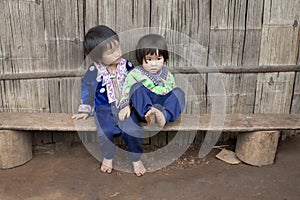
[(72, 173)]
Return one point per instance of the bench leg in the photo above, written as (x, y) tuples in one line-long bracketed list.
[(15, 148), (257, 148)]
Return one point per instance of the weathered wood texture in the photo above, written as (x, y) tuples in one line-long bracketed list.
[(40, 37), (279, 44), (241, 69), (187, 122), (257, 148), (15, 148), (235, 34)]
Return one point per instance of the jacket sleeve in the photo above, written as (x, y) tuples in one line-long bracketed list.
[(171, 80), (129, 81), (124, 101), (88, 90)]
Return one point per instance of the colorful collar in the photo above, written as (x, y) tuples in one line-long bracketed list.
[(106, 78), (155, 78)]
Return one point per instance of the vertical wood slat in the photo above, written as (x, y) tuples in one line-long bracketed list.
[(231, 34), (234, 40), (232, 43), (25, 96), (2, 93), (64, 33), (131, 14), (253, 30), (41, 95), (91, 14), (64, 95), (185, 24), (296, 98), (106, 13), (22, 37), (295, 108), (279, 45), (129, 18), (280, 12), (118, 15), (63, 20), (274, 93)]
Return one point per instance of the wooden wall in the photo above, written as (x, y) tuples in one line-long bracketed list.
[(46, 36)]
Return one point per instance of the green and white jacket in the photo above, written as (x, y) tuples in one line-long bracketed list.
[(161, 83)]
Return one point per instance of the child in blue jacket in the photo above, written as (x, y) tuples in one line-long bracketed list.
[(100, 94)]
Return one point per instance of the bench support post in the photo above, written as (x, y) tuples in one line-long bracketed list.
[(257, 148), (15, 148)]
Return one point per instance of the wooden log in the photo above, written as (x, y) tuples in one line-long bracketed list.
[(15, 148), (257, 148)]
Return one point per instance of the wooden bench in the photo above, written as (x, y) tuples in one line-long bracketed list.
[(16, 142)]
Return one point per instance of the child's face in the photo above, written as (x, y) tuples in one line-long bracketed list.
[(153, 63), (112, 54)]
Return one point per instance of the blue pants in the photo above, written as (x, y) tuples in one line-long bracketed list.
[(171, 104), (108, 126)]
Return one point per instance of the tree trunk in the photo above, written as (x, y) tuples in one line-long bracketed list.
[(15, 148), (257, 148)]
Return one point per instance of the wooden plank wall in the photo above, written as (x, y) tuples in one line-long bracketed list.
[(275, 90), (47, 35)]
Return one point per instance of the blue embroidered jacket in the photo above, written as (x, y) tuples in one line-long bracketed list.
[(97, 85)]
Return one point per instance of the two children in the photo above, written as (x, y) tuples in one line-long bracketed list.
[(103, 84)]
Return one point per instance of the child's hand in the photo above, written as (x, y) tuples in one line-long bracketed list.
[(124, 113), (80, 116)]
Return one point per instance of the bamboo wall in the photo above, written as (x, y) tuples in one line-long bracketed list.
[(46, 36)]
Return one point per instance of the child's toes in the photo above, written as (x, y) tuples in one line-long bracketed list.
[(150, 117), (106, 169), (106, 166), (160, 118), (139, 168)]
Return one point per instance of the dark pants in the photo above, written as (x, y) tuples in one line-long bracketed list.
[(171, 104), (108, 126), (142, 99)]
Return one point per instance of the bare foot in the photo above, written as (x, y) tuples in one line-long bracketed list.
[(150, 117), (159, 117), (138, 168), (106, 166)]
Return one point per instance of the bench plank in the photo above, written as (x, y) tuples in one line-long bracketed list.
[(42, 122), (187, 122)]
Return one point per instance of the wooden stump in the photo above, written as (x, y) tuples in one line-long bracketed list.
[(257, 148), (15, 148)]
